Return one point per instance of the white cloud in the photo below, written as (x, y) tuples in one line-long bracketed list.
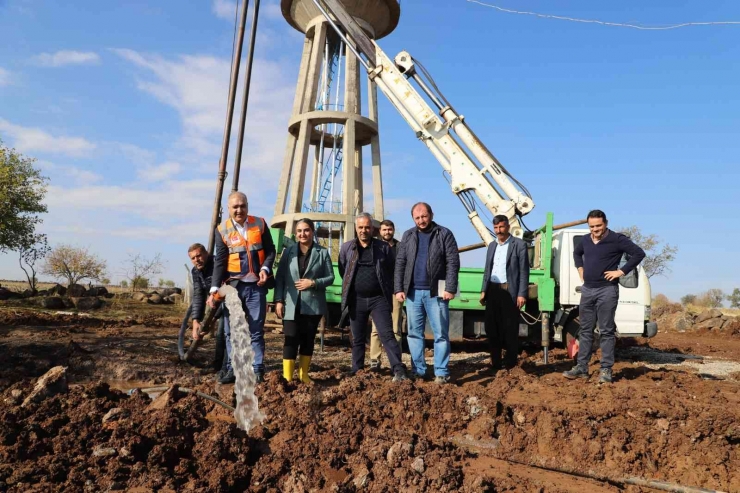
[(5, 78), (197, 86), (160, 172), (29, 139), (169, 199), (137, 155), (65, 57), (224, 9), (80, 176)]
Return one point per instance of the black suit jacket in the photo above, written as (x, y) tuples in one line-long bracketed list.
[(517, 267)]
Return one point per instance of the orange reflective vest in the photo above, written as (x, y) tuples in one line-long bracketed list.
[(246, 255)]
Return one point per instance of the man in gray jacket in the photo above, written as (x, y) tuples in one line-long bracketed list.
[(504, 291), (427, 266)]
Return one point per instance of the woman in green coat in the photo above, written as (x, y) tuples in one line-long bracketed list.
[(303, 274)]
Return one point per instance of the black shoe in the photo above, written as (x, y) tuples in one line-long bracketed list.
[(260, 376), (575, 372), (400, 376), (374, 365), (227, 377), (605, 375)]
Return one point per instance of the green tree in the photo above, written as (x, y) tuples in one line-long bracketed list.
[(658, 257), (734, 298), (73, 264), (169, 284), (22, 190), (124, 284), (29, 254), (688, 299)]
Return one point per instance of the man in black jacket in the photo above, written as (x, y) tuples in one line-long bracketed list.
[(366, 267), (202, 273), (504, 291), (597, 258), (427, 267)]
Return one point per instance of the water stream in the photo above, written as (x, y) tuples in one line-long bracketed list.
[(247, 413)]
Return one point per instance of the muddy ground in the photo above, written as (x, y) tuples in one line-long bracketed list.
[(673, 414)]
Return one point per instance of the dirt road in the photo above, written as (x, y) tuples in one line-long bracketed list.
[(673, 414)]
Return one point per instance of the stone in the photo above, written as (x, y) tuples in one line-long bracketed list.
[(418, 465), (708, 314), (710, 324), (684, 323), (53, 382), (520, 418), (117, 486), (102, 451), (5, 294), (68, 303), (164, 400), (361, 479), (398, 452), (114, 413), (175, 298), (58, 289), (52, 303), (139, 296), (663, 425), (90, 303), (97, 291), (155, 299), (170, 291), (75, 291)]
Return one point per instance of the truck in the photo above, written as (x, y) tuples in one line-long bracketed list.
[(480, 180)]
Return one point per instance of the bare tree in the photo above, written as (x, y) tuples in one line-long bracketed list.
[(73, 264), (711, 298), (139, 269), (657, 257), (29, 254)]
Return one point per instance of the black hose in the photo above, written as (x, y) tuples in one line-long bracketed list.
[(185, 390), (181, 335)]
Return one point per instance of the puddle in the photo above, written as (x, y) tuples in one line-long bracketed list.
[(706, 366)]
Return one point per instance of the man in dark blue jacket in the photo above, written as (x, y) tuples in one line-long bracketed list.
[(202, 272), (597, 259), (366, 268), (504, 291), (427, 267)]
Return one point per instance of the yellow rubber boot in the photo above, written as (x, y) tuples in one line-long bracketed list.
[(288, 369), (304, 362)]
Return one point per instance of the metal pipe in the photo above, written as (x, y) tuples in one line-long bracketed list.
[(570, 224), (546, 335), (339, 32), (474, 246), (227, 130), (245, 97), (427, 91)]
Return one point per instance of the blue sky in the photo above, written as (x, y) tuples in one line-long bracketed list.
[(123, 106)]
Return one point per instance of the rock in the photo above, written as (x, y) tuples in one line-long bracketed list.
[(155, 299), (15, 397), (87, 303), (684, 323), (5, 294), (68, 303), (170, 291), (97, 291), (361, 479), (58, 289), (53, 382), (75, 291), (663, 425), (520, 418), (52, 303), (398, 452), (124, 452), (418, 465), (708, 314), (114, 413), (175, 298), (710, 323), (16, 393), (164, 400), (139, 296), (109, 295), (27, 294), (101, 451), (117, 486)]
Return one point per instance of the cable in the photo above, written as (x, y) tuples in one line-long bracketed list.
[(604, 23), (233, 42)]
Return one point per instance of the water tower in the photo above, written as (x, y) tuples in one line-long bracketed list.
[(330, 126)]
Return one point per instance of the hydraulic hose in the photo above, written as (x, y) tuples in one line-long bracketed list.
[(186, 391), (181, 335)]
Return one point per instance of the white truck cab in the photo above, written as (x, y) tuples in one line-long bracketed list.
[(633, 311)]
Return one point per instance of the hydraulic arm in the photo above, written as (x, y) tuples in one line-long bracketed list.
[(471, 167)]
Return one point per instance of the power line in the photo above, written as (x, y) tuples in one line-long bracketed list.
[(604, 23)]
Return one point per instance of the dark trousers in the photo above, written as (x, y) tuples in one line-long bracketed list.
[(300, 334), (360, 309), (220, 355), (502, 325), (598, 305)]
